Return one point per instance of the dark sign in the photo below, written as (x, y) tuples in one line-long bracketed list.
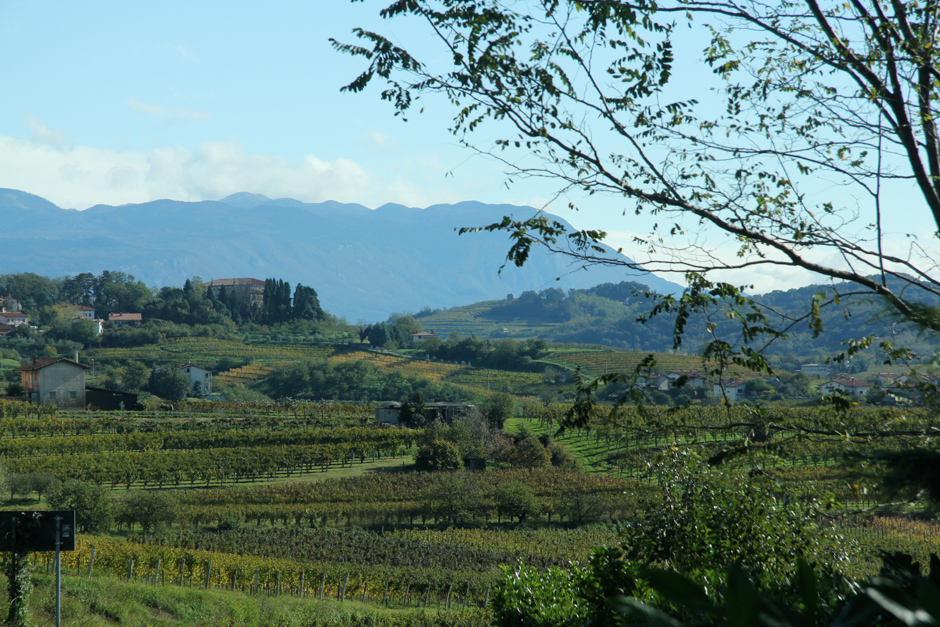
[(37, 531)]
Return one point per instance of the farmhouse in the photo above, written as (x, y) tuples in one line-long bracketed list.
[(125, 319), (200, 377), (55, 381), (421, 336)]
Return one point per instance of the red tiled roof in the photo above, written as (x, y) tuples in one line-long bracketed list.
[(125, 317), (42, 363), (83, 308), (13, 314), (851, 382)]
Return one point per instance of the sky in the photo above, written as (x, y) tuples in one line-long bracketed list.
[(118, 102)]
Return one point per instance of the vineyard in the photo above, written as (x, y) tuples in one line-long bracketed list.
[(598, 362)]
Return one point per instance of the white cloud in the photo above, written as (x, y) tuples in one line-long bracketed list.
[(43, 133), (380, 142), (80, 177), (165, 113)]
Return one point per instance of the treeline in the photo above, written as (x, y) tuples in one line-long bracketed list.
[(50, 304), (503, 353), (353, 381)]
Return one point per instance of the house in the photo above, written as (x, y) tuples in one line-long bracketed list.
[(733, 389), (653, 382), (86, 313), (5, 329), (200, 377), (124, 319), (849, 386), (422, 336), (388, 412), (246, 291), (8, 303), (816, 371), (54, 381), (693, 378), (13, 318)]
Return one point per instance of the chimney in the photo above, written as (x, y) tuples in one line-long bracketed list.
[(34, 359), (76, 357)]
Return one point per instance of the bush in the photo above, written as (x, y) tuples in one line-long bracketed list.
[(90, 502), (151, 510), (438, 455), (514, 500)]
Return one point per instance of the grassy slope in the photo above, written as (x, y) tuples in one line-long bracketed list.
[(109, 601)]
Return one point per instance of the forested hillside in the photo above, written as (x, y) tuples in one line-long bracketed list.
[(615, 315)]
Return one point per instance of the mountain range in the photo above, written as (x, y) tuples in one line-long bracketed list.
[(364, 263)]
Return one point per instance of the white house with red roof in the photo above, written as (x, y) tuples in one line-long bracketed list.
[(13, 318), (732, 389), (850, 386)]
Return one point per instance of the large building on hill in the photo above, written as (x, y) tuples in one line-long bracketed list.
[(246, 291)]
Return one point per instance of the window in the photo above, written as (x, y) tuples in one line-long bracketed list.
[(73, 394), (51, 396)]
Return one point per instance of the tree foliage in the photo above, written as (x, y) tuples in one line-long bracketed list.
[(822, 116)]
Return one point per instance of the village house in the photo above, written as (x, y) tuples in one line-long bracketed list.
[(13, 318), (124, 319), (54, 381), (732, 390), (653, 382), (849, 386), (84, 312), (200, 377), (422, 336), (693, 378)]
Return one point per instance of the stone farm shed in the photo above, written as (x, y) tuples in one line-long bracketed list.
[(55, 381)]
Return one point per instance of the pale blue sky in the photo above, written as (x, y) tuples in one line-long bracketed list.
[(119, 102)]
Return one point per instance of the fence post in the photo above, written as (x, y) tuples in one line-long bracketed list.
[(365, 587), (342, 596), (234, 579), (130, 570), (427, 596), (182, 571), (208, 572), (322, 584), (385, 594), (278, 590), (91, 562), (447, 602), (303, 576), (156, 573), (254, 584)]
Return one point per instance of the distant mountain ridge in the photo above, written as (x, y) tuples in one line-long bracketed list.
[(363, 263)]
